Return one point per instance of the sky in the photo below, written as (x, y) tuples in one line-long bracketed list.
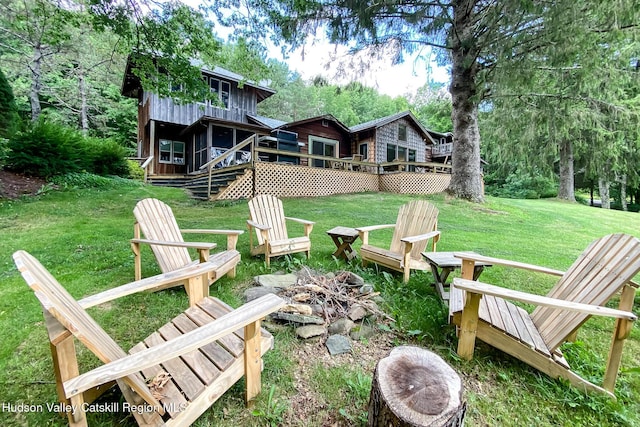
[(321, 58)]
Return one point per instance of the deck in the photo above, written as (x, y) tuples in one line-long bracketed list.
[(307, 175)]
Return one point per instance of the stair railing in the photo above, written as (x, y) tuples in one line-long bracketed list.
[(211, 163), (145, 168)]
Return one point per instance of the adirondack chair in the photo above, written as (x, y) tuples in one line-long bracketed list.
[(417, 222), (155, 220), (266, 216), (602, 271), (200, 354)]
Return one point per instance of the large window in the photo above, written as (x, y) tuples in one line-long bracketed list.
[(323, 147), (398, 153), (171, 152), (223, 89)]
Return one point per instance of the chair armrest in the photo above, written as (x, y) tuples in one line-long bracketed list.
[(507, 263), (258, 226), (374, 227), (248, 313), (301, 221), (148, 284), (496, 291), (232, 235), (420, 237), (193, 245), (204, 231)]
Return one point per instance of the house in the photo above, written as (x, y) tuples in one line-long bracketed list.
[(225, 149), (399, 137), (182, 138)]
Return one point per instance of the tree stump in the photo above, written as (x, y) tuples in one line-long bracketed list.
[(415, 387)]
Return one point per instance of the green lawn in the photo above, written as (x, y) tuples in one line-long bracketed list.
[(82, 237)]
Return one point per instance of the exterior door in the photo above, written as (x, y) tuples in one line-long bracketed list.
[(323, 147)]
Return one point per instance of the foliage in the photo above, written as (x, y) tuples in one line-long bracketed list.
[(8, 109), (522, 185), (47, 149)]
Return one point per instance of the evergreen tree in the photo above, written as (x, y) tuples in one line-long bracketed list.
[(8, 109)]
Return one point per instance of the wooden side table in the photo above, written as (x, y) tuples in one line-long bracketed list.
[(443, 263), (343, 237)]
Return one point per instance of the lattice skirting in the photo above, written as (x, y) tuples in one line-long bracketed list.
[(303, 181), (241, 188), (414, 183), (283, 180)]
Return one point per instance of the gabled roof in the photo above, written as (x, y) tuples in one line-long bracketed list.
[(377, 123), (131, 83), (329, 117)]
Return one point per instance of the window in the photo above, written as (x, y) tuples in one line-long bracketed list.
[(323, 147), (171, 152), (402, 132), (391, 152), (363, 149), (223, 89)]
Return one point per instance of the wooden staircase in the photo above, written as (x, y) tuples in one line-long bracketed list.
[(197, 185)]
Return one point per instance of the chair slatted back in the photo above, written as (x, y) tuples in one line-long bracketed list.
[(266, 209), (55, 300), (414, 218), (594, 278), (157, 222)]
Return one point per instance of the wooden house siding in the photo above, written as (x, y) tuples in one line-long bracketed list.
[(241, 102), (388, 134)]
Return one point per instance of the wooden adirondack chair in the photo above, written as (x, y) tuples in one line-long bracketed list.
[(266, 216), (417, 223), (204, 350), (158, 225), (604, 269)]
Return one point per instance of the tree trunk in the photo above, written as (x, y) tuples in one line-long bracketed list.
[(84, 105), (566, 185), (414, 387), (466, 179), (603, 188), (623, 191), (36, 82)]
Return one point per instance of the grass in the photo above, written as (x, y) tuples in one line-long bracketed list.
[(82, 236)]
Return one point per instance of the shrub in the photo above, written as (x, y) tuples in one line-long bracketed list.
[(47, 149), (135, 171), (523, 186), (105, 157)]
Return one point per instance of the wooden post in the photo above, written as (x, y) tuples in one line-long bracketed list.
[(415, 387), (252, 362), (621, 332)]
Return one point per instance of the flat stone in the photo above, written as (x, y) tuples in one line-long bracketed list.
[(365, 289), (309, 331), (356, 312), (282, 281), (362, 332), (303, 309), (355, 280), (258, 291), (338, 344), (341, 326), (298, 318)]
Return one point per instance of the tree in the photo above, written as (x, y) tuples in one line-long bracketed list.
[(475, 36), (8, 109)]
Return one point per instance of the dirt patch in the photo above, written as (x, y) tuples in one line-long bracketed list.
[(14, 186)]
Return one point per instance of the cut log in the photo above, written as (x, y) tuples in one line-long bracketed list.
[(415, 387)]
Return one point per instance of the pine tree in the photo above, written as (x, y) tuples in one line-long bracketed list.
[(8, 109)]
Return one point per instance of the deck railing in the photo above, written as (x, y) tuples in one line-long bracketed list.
[(327, 162), (442, 149)]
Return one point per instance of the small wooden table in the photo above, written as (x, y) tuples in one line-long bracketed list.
[(343, 237), (443, 263)]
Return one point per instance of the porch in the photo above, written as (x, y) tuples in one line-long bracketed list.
[(249, 169)]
